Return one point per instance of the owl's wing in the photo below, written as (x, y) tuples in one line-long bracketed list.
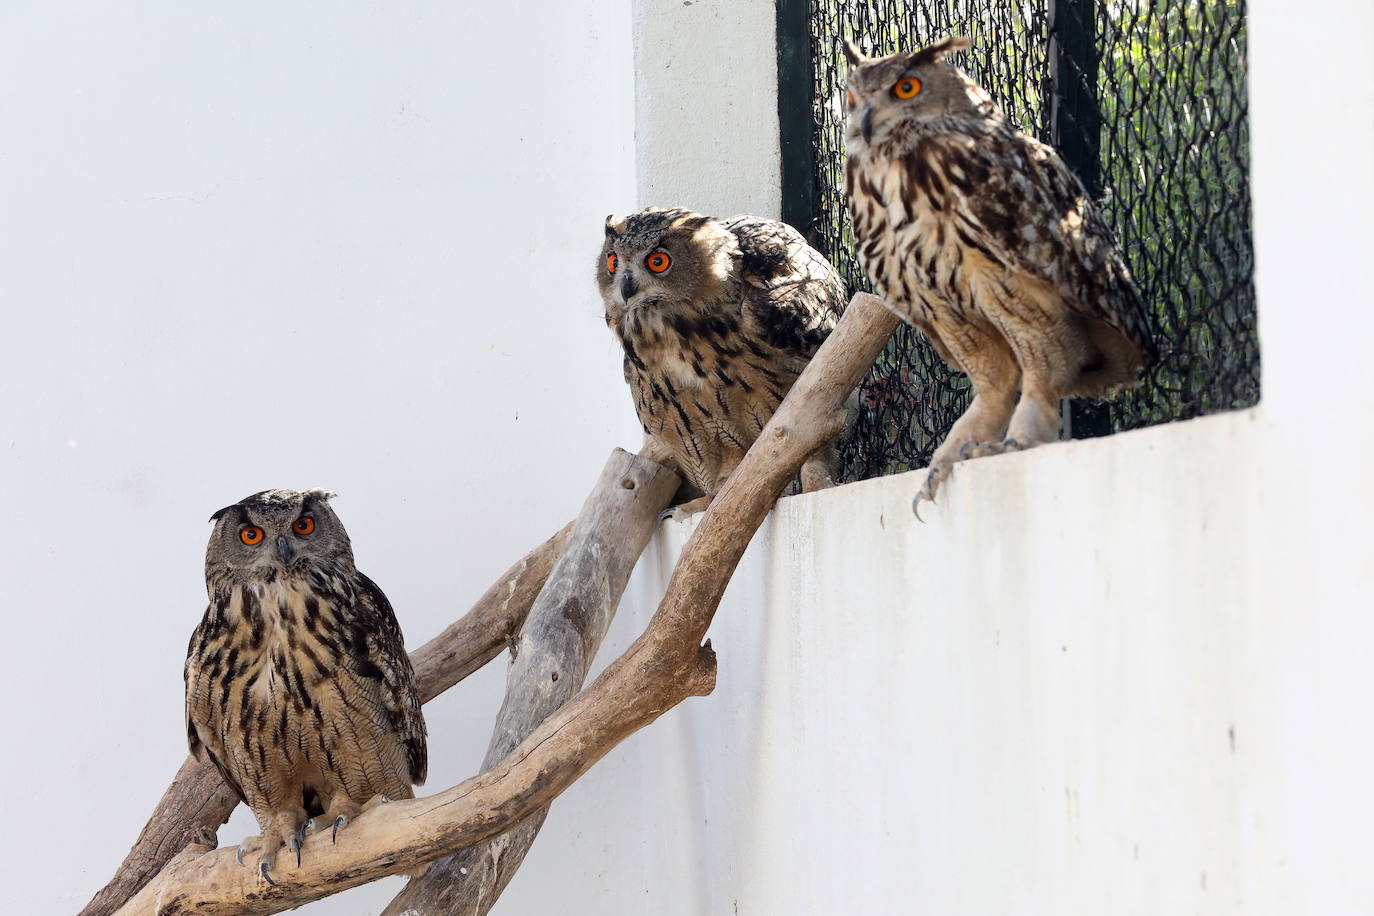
[(379, 652), (791, 291), (192, 675), (201, 662), (1018, 198)]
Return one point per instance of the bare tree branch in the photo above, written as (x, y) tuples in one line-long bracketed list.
[(664, 666), (493, 623), (560, 638), (198, 801)]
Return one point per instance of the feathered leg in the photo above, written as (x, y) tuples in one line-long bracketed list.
[(1036, 419), (984, 354)]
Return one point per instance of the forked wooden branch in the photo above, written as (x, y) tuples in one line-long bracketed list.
[(664, 666), (198, 801), (560, 638)]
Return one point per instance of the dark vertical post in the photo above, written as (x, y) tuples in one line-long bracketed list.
[(1076, 122), (796, 122)]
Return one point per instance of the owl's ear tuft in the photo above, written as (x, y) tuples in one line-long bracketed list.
[(853, 54), (613, 225), (323, 496), (220, 513), (936, 52)]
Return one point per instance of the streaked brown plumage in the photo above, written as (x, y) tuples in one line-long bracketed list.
[(982, 237), (298, 686), (717, 318)]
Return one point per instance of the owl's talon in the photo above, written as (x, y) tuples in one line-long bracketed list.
[(925, 493), (373, 802), (296, 785), (934, 477), (988, 449), (340, 821)]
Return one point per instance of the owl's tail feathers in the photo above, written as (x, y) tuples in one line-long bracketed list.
[(1114, 361)]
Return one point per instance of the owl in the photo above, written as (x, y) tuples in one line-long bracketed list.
[(298, 687), (717, 318), (982, 238)]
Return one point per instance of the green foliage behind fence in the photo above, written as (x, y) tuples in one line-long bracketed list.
[(1147, 100)]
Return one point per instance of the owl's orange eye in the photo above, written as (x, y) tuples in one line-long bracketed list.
[(611, 261), (907, 87), (304, 525), (849, 95), (250, 535), (658, 262)]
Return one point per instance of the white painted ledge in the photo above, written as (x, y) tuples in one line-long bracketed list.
[(1123, 675), (1070, 691)]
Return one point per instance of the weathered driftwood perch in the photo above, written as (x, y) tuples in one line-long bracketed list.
[(667, 664), (560, 638), (198, 801)]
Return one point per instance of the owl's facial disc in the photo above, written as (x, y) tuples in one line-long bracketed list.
[(659, 261), (274, 531), (634, 276), (887, 94), (880, 98)]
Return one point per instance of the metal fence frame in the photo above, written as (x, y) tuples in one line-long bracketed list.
[(1061, 88)]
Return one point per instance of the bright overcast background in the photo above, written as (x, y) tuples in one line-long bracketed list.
[(280, 245)]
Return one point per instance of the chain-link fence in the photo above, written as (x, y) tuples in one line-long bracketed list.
[(1145, 99)]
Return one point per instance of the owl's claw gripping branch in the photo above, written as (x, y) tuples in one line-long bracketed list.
[(199, 797), (340, 821), (266, 875), (664, 666), (984, 239)]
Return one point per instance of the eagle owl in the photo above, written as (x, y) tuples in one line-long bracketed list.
[(298, 687), (717, 318), (982, 238)]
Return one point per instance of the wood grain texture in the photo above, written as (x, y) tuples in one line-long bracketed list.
[(560, 638), (664, 666), (198, 800)]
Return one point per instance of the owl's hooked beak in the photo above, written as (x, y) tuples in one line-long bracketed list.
[(628, 288), (284, 550), (866, 124)]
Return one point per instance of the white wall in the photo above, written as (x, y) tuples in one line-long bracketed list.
[(1026, 705), (258, 245), (1126, 675), (706, 105)]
